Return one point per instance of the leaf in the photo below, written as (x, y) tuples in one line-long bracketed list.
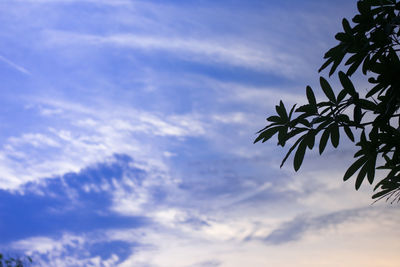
[(371, 169), (305, 122), (295, 132), (342, 94), (291, 149), (281, 110), (335, 135), (327, 89), (308, 109), (324, 140), (336, 63), (366, 104), (363, 7), (375, 89), (299, 156), (311, 97), (366, 65), (381, 193), (349, 133), (355, 65), (357, 114), (341, 36), (274, 119), (291, 111), (325, 122), (352, 59), (326, 64), (310, 139), (346, 26), (282, 135), (267, 134), (354, 167), (343, 118), (361, 175), (266, 127), (347, 84)]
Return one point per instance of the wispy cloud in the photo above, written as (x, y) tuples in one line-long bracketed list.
[(67, 250), (297, 228), (15, 65), (89, 135), (205, 51)]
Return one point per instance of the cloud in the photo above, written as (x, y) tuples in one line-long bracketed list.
[(209, 263), (205, 51), (161, 223), (71, 217), (72, 250), (15, 66), (89, 135), (74, 202), (299, 226)]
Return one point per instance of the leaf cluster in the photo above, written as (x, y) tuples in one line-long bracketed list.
[(371, 43)]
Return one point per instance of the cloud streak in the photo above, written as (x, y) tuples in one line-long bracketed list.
[(204, 51), (15, 66)]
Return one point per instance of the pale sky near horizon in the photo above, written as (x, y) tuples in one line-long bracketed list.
[(126, 138)]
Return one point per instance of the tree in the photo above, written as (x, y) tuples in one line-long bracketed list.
[(371, 119)]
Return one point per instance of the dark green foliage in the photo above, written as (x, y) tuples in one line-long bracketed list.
[(14, 261), (371, 43)]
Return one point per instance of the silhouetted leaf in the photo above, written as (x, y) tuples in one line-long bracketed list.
[(299, 156), (267, 134), (354, 167), (327, 89), (346, 83), (282, 135), (326, 64), (366, 104), (310, 139), (274, 119), (336, 62), (371, 169), (291, 111), (324, 140), (311, 97), (291, 149), (355, 65), (381, 193), (342, 94), (357, 114), (346, 26), (281, 110), (349, 133), (335, 135), (361, 175)]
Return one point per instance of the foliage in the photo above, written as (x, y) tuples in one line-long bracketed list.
[(14, 262), (371, 119)]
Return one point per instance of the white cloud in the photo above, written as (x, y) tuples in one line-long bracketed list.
[(15, 65), (174, 248), (66, 251), (205, 51), (90, 135)]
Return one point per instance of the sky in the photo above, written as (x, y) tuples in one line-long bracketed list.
[(127, 128)]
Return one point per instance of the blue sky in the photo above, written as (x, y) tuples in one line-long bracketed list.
[(126, 132)]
